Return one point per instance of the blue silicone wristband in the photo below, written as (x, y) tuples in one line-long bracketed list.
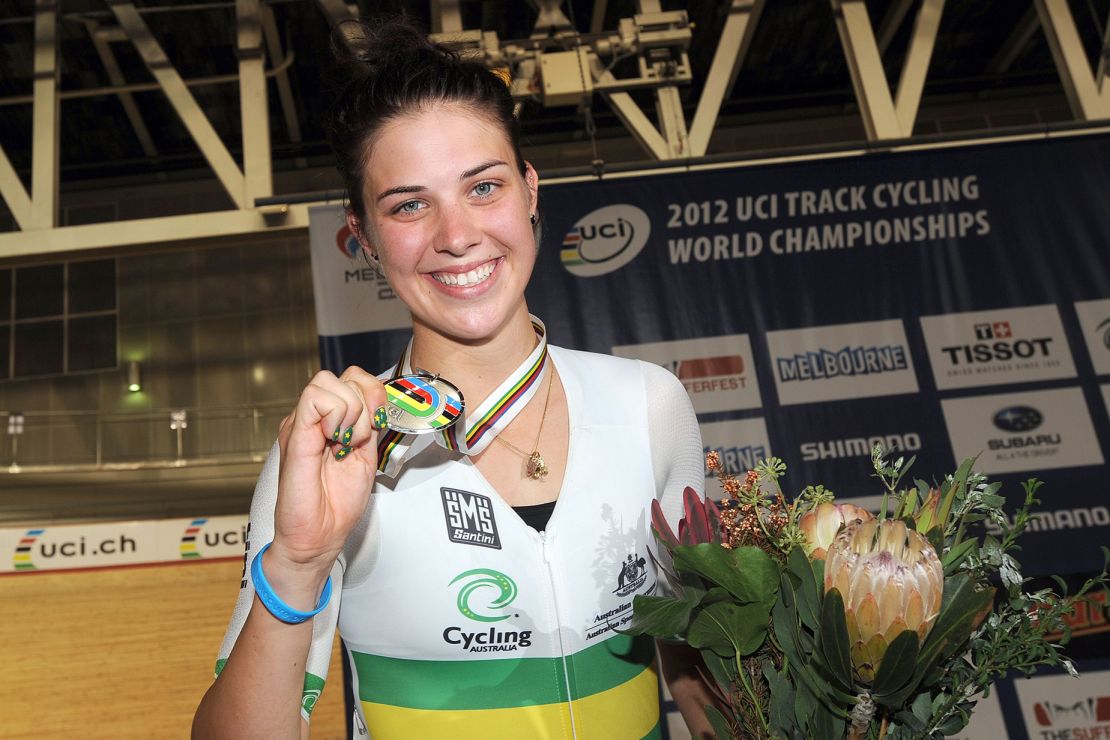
[(273, 602)]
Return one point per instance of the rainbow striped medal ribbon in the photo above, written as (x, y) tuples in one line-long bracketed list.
[(414, 390)]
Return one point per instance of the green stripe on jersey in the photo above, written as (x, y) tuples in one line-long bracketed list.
[(501, 682)]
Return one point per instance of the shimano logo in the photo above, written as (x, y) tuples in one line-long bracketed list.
[(737, 460), (825, 364), (860, 446), (605, 240)]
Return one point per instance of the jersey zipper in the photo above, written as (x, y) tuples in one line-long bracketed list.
[(558, 628)]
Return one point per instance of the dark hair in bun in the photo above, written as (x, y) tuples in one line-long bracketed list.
[(390, 69)]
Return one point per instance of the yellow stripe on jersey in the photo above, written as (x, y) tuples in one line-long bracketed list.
[(630, 710)]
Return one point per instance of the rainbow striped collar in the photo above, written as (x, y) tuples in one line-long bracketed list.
[(479, 425)]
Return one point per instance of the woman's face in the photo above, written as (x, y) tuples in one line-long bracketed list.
[(447, 213)]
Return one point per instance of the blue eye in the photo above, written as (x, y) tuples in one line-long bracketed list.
[(409, 206), (484, 189)]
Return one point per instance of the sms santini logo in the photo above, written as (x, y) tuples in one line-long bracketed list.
[(605, 240)]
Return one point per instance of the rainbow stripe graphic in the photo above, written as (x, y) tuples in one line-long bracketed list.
[(569, 254), (22, 557), (188, 545)]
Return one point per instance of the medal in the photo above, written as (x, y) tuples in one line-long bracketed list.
[(421, 402)]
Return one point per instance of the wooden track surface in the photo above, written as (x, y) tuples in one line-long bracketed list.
[(121, 653)]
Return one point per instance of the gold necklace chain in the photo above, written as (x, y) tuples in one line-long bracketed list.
[(535, 468)]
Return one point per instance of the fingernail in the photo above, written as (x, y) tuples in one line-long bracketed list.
[(347, 435), (343, 452), (380, 419), (335, 436)]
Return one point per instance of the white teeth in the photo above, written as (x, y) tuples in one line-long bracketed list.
[(475, 276)]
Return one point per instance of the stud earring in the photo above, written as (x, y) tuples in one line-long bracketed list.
[(534, 218)]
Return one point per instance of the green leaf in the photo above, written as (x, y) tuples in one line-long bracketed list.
[(833, 638), (809, 599), (659, 616), (718, 722), (747, 573), (826, 724), (722, 670), (896, 667), (782, 700), (728, 629), (954, 557)]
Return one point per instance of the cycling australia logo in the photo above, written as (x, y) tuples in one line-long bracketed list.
[(484, 596), (831, 363), (1018, 432), (605, 240), (717, 372), (1015, 345)]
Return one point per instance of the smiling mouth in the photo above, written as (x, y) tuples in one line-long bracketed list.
[(466, 279)]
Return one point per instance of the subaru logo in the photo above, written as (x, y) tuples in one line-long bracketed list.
[(1018, 419)]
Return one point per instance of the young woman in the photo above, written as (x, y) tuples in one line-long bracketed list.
[(479, 575)]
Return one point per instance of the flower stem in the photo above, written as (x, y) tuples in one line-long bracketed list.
[(751, 694)]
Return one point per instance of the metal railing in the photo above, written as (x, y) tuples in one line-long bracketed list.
[(46, 441)]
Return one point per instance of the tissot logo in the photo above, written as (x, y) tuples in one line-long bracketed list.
[(605, 240), (1003, 346), (1018, 419), (469, 518)]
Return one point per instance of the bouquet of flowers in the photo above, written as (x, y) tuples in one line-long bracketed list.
[(821, 620)]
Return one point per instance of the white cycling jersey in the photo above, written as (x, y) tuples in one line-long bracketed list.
[(462, 621)]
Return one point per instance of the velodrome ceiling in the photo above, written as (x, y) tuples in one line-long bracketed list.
[(794, 67)]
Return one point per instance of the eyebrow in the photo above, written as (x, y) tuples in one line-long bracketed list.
[(403, 189)]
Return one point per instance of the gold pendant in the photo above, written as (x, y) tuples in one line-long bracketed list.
[(535, 468)]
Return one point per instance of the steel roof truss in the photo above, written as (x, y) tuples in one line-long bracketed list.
[(731, 49), (183, 102), (255, 118), (115, 76), (1089, 100), (883, 116)]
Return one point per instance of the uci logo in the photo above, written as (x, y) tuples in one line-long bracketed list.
[(605, 240), (347, 242)]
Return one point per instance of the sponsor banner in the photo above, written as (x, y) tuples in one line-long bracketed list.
[(350, 297), (986, 721), (831, 443), (1061, 707), (741, 443), (829, 363), (717, 372), (997, 347), (1094, 320), (60, 547), (1017, 432)]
